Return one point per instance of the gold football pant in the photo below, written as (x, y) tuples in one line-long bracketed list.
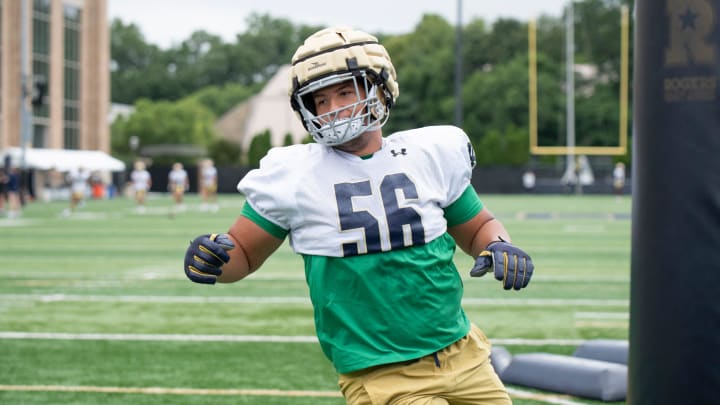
[(460, 374)]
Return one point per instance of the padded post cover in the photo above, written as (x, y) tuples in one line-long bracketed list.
[(569, 375), (614, 351), (500, 359)]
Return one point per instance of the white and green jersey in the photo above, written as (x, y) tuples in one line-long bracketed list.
[(208, 176), (373, 234)]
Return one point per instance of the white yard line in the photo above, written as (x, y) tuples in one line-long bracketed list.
[(514, 393), (175, 391), (537, 342), (295, 300), (235, 338), (171, 299), (602, 324), (171, 273), (547, 302), (550, 399), (158, 337), (602, 315)]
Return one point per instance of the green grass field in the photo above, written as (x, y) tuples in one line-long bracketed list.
[(95, 308)]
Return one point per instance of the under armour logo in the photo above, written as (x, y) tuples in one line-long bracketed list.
[(403, 151)]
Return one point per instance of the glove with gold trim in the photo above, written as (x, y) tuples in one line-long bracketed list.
[(205, 256), (510, 264)]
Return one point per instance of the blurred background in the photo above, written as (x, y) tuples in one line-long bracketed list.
[(539, 87), (94, 307)]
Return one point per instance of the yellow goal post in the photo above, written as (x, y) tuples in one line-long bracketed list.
[(621, 148)]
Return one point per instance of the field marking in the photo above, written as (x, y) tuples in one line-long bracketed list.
[(602, 320), (582, 279), (514, 393), (547, 302), (569, 216), (14, 222), (584, 228), (551, 399), (603, 315), (174, 391), (158, 337), (237, 338), (159, 273), (537, 342), (602, 325), (299, 300)]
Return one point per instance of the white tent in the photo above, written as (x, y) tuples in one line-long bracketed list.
[(63, 160)]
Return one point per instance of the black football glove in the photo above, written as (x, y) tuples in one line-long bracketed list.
[(204, 257), (510, 264)]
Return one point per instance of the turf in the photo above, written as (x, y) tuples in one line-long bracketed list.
[(108, 271)]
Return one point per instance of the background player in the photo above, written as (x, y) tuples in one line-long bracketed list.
[(208, 186), (377, 221), (13, 193), (178, 184), (618, 179), (79, 183), (140, 181)]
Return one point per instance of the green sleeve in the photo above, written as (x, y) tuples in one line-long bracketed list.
[(259, 220), (464, 208)]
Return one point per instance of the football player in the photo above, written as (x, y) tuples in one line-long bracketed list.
[(208, 186), (178, 184), (377, 221), (140, 182), (79, 183)]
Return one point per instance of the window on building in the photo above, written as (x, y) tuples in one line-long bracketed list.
[(40, 68), (41, 73), (71, 138), (42, 6), (71, 85), (39, 136), (41, 30)]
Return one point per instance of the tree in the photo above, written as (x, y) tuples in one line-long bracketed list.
[(132, 62), (220, 99), (142, 70), (205, 71), (425, 65), (197, 62), (506, 40), (225, 152), (186, 122), (508, 146), (259, 147)]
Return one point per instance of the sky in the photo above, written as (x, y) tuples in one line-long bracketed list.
[(168, 22)]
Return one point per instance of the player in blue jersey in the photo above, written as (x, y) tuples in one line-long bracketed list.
[(377, 221)]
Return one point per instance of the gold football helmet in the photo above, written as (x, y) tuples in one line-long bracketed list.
[(336, 55)]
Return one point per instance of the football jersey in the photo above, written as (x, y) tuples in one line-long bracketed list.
[(78, 180), (177, 178), (140, 180), (339, 204), (373, 236), (208, 176)]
